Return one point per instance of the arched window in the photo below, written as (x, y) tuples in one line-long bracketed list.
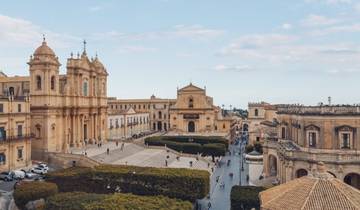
[(256, 112), (283, 132), (85, 88), (160, 115), (38, 82), (38, 131), (11, 91), (191, 102), (2, 158), (52, 83)]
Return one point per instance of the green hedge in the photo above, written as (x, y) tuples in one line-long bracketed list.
[(30, 191), (193, 139), (245, 197), (181, 183), (206, 145), (118, 201)]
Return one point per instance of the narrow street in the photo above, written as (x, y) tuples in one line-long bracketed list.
[(220, 196)]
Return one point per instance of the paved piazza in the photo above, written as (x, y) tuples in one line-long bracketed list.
[(133, 154)]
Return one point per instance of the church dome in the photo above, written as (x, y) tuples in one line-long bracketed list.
[(44, 49)]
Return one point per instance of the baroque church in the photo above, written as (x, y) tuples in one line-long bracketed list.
[(66, 110), (195, 112)]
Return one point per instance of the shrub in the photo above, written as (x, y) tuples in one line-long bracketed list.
[(258, 148), (214, 149), (186, 184), (30, 191), (249, 148), (90, 201), (245, 197), (192, 139), (213, 146)]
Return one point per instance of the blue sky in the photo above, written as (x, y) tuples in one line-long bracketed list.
[(294, 51)]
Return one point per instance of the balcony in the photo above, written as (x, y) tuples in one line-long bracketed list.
[(291, 151), (10, 139)]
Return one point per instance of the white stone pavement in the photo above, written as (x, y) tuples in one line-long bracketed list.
[(133, 154)]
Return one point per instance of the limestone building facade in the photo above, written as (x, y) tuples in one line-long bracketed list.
[(66, 109), (259, 114), (308, 134), (15, 135), (125, 124), (157, 108), (194, 112)]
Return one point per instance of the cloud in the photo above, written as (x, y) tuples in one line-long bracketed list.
[(193, 32), (235, 68), (256, 41), (20, 32), (318, 20), (357, 7), (351, 28), (137, 49), (330, 2), (286, 26), (95, 8), (279, 50)]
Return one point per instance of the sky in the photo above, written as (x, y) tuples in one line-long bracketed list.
[(293, 51)]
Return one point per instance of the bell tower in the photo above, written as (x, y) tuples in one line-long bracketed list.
[(44, 76)]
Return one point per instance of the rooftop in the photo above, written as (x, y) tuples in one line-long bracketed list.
[(317, 191), (319, 110)]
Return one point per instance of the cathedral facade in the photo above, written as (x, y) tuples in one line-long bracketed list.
[(66, 110), (194, 112)]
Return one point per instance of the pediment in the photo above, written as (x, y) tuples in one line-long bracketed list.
[(130, 111), (190, 87), (312, 127)]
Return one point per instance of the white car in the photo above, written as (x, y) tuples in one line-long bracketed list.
[(18, 174), (39, 170), (43, 165)]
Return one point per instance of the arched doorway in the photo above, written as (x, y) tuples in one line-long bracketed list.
[(272, 165), (191, 126), (11, 91), (301, 172), (353, 179), (159, 126)]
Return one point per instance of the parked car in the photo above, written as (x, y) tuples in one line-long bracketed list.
[(6, 176), (28, 174), (39, 170), (18, 174), (43, 165)]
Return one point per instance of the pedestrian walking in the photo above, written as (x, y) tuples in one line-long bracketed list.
[(166, 163), (208, 165), (212, 169), (209, 205), (117, 143), (108, 151), (85, 153)]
